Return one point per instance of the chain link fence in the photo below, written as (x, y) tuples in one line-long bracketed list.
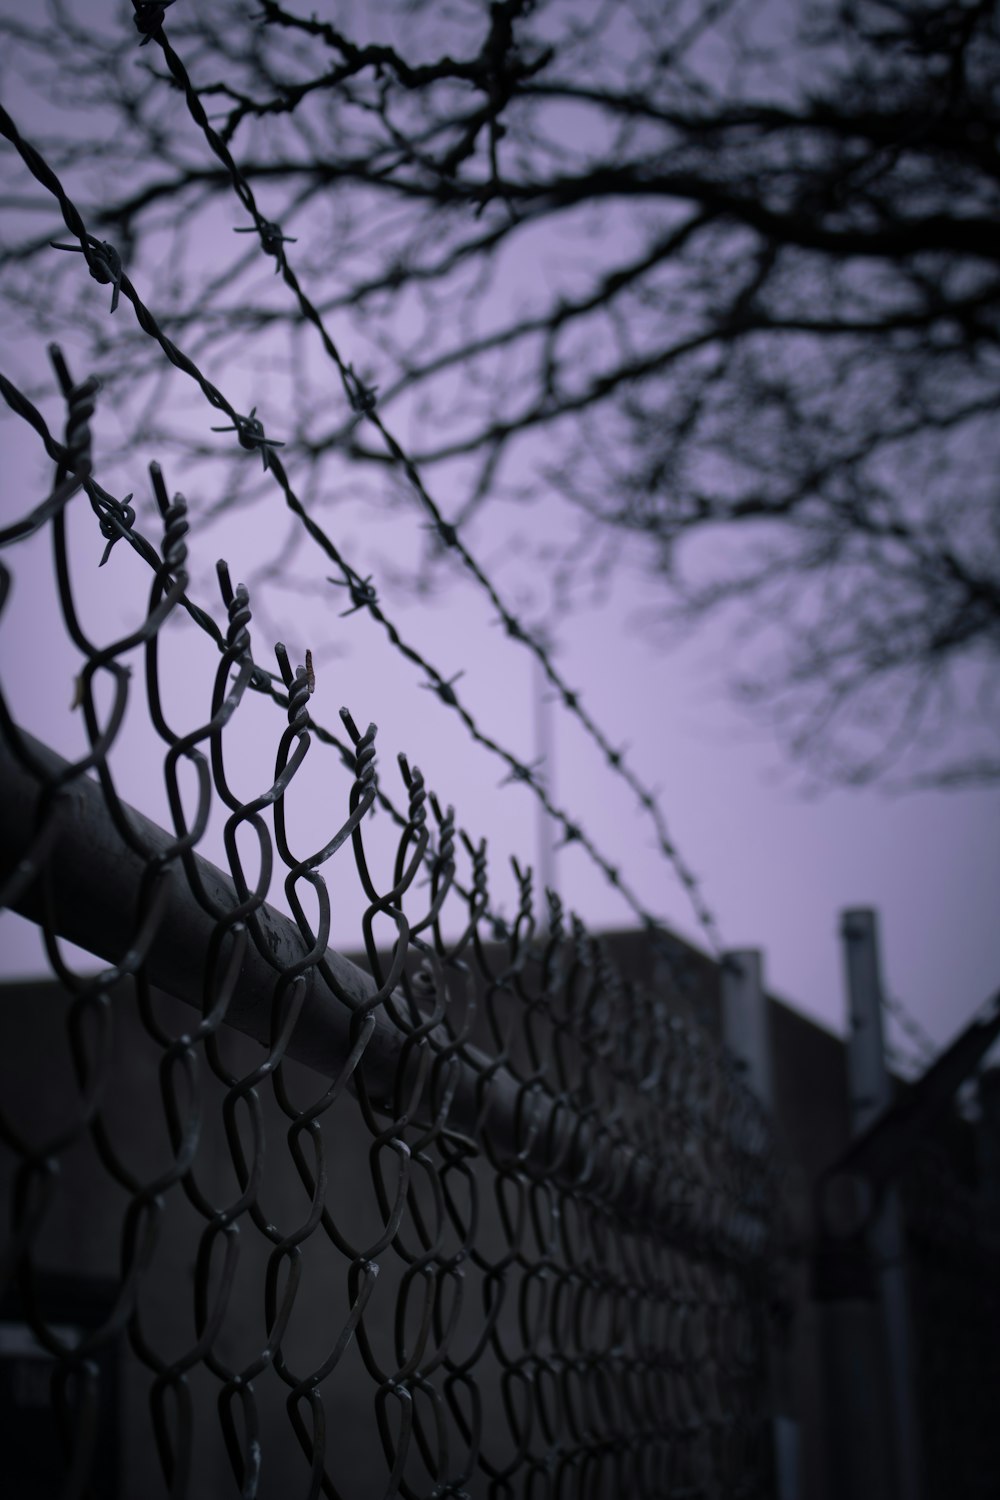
[(470, 1216)]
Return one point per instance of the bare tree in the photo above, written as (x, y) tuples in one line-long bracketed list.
[(724, 275)]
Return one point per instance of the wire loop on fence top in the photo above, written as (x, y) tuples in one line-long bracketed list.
[(363, 401), (251, 435), (475, 1215)]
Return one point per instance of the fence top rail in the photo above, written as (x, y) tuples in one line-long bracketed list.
[(341, 1020)]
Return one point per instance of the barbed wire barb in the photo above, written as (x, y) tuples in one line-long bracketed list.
[(362, 399)]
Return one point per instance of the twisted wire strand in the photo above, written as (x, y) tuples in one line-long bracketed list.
[(543, 1141), (630, 1184), (262, 681), (117, 519), (363, 401), (251, 435)]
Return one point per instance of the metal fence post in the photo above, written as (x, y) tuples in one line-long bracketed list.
[(871, 1093), (745, 1028), (746, 1032)]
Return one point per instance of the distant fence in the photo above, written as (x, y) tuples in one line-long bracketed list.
[(479, 1218)]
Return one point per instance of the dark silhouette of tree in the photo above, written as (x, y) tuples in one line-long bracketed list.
[(724, 275)]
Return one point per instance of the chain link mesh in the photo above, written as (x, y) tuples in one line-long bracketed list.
[(472, 1218)]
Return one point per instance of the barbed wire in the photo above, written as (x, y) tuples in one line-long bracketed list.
[(923, 1048), (925, 1051), (905, 1064), (117, 522), (363, 402), (105, 266), (504, 1196)]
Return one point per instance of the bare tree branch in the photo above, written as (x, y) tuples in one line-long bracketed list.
[(723, 276)]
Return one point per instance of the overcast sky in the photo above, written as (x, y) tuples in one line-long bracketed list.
[(776, 866)]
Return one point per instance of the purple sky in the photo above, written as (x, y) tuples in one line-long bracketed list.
[(776, 867)]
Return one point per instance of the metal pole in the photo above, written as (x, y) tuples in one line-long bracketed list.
[(746, 1032), (745, 1020), (868, 1080), (870, 1095)]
